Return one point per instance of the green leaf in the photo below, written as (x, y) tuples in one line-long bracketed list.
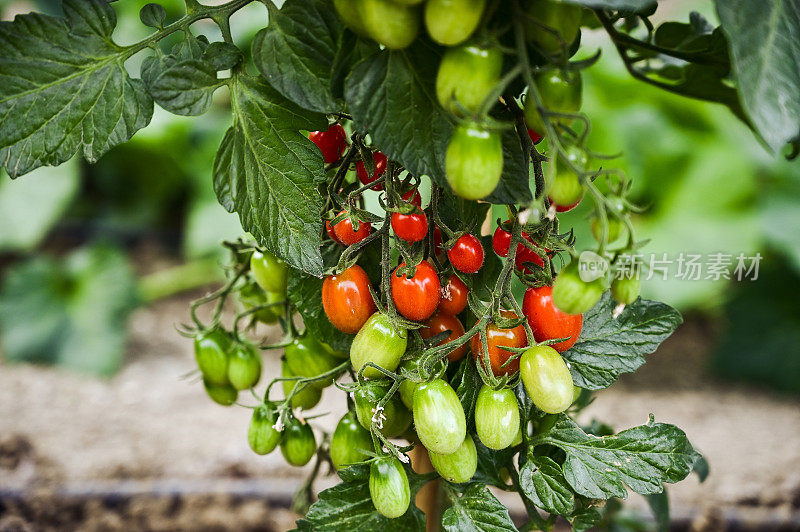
[(70, 312), (268, 173), (643, 458), (635, 6), (297, 52), (153, 15), (659, 505), (585, 519), (608, 347), (765, 50), (491, 464), (64, 88), (543, 482), (304, 292), (392, 96), (476, 510)]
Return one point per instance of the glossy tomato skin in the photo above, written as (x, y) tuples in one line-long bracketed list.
[(467, 74), (331, 232), (501, 241), (526, 255), (615, 228), (211, 353), (441, 322), (347, 300), (454, 296), (547, 321), (439, 417), (251, 296), (459, 466), (269, 271), (306, 398), (451, 22), (380, 342), (563, 21), (348, 441), (560, 92), (397, 418), (391, 24), (407, 386), (413, 197), (572, 295), (222, 394), (566, 190), (298, 445), (496, 417), (380, 167), (474, 161), (308, 357), (547, 379), (261, 435), (388, 487), (534, 136), (331, 142), (244, 367), (416, 298), (498, 338), (626, 290), (348, 235), (467, 254), (410, 227)]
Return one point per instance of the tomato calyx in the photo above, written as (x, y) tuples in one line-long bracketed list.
[(380, 161), (350, 230)]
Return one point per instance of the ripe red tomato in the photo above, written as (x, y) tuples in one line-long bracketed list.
[(410, 227), (501, 241), (567, 208), (344, 230), (524, 254), (380, 167), (437, 241), (498, 338), (535, 137), (416, 199), (331, 232), (441, 322), (418, 297), (331, 142), (347, 300), (454, 296), (547, 321), (467, 254)]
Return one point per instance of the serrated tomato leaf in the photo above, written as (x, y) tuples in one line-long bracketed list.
[(542, 481), (476, 509)]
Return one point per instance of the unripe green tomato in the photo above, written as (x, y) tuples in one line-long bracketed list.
[(269, 271), (459, 466), (397, 417), (391, 24), (451, 22), (546, 378), (388, 487), (308, 357), (563, 19), (211, 353), (408, 386), (252, 295), (566, 188), (223, 394), (496, 417), (348, 442), (474, 161), (615, 228), (572, 295), (306, 398), (261, 435), (298, 445), (439, 417), (467, 74), (517, 439), (379, 342), (244, 367), (350, 13), (625, 290), (576, 393)]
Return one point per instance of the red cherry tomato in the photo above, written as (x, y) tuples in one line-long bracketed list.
[(535, 137), (439, 323), (344, 230), (567, 208), (416, 298), (410, 227), (347, 300), (501, 241), (498, 338), (331, 232), (547, 321), (524, 254), (416, 199), (454, 296), (467, 254), (331, 142), (437, 241), (380, 167)]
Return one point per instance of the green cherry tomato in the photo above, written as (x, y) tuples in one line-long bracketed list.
[(298, 445), (474, 161), (560, 92), (223, 394), (261, 435), (546, 378), (615, 228), (573, 295), (269, 271), (391, 24), (211, 353), (625, 290), (308, 357), (566, 189), (517, 439), (467, 74), (496, 417), (244, 367), (407, 387), (379, 342), (561, 18), (388, 487), (451, 22), (459, 466), (350, 13), (348, 441), (397, 418), (439, 417), (252, 295), (306, 398)]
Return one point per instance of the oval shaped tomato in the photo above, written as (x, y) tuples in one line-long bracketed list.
[(380, 167), (298, 444), (547, 321), (474, 161), (269, 271), (308, 357), (347, 300), (615, 228), (350, 13), (566, 189), (459, 466), (626, 289), (467, 75), (395, 417), (348, 442), (498, 338), (547, 379), (211, 353), (244, 366), (501, 241), (467, 254), (388, 487), (261, 434), (306, 398), (410, 227), (454, 296), (222, 394), (251, 296), (439, 417), (526, 256), (416, 298), (348, 235), (561, 22), (407, 386), (572, 295), (439, 323), (496, 417), (451, 22), (391, 24), (379, 342), (331, 232), (331, 142)]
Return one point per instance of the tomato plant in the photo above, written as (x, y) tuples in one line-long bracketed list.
[(346, 299), (392, 421), (496, 417), (474, 161), (331, 142), (441, 322), (466, 76), (459, 466), (380, 161), (439, 417), (348, 442), (416, 297), (380, 342), (410, 227), (547, 379), (466, 255), (547, 322), (298, 444), (497, 338), (388, 487), (262, 435), (454, 296), (349, 233)]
